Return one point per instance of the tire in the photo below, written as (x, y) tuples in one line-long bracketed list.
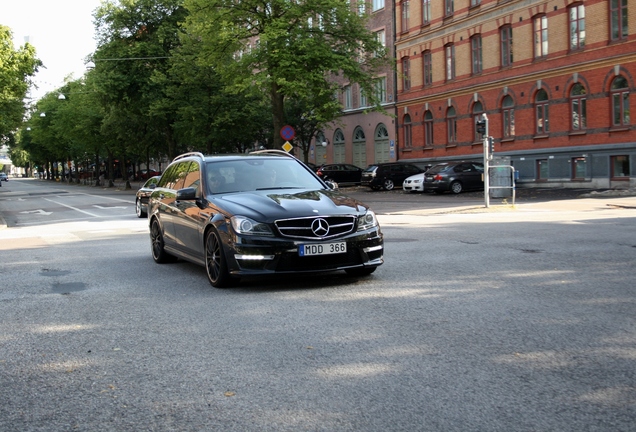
[(360, 271), (388, 184), (456, 187), (159, 254), (139, 211), (215, 262)]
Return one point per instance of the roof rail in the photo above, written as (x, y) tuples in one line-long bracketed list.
[(274, 152), (198, 154)]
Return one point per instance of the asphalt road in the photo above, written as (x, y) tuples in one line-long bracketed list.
[(521, 319)]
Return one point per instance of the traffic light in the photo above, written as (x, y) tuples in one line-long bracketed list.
[(481, 127), (491, 145)]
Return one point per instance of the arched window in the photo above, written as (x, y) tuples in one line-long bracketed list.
[(408, 136), (541, 111), (578, 105), (508, 117), (620, 101), (428, 129), (451, 125), (478, 110)]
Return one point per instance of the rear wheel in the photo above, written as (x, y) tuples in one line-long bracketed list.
[(215, 262), (159, 254), (388, 184), (456, 187)]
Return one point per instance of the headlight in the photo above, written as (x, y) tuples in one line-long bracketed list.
[(367, 221), (247, 226)]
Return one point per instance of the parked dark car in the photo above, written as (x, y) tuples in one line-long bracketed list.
[(342, 174), (4, 176), (142, 196), (265, 213), (455, 177), (387, 175)]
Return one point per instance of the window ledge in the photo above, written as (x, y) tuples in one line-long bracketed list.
[(407, 150), (619, 129), (507, 140), (542, 136), (453, 145), (577, 133), (428, 148)]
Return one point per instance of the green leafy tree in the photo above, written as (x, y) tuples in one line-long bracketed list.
[(289, 50), (16, 69)]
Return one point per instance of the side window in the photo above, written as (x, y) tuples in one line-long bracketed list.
[(174, 176), (193, 177)]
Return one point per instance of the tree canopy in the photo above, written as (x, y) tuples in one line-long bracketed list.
[(17, 66)]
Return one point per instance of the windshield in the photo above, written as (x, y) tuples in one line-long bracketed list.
[(258, 174), (437, 169)]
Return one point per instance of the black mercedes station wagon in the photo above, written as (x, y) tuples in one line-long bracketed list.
[(264, 213)]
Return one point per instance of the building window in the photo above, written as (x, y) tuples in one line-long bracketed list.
[(618, 19), (620, 167), (579, 168), (380, 89), (579, 107), (508, 117), (378, 4), (408, 136), (478, 110), (406, 74), (363, 98), (428, 129), (451, 125), (505, 35), (426, 12), (620, 102), (475, 49), (427, 60), (449, 52), (475, 3), (542, 113), (540, 36), (380, 36), (405, 16), (347, 97), (449, 8), (577, 27)]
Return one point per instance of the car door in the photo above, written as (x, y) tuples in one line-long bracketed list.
[(162, 200), (469, 176), (189, 218)]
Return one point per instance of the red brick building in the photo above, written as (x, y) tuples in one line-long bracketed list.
[(360, 137), (554, 77)]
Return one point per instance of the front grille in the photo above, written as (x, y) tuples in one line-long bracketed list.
[(316, 228)]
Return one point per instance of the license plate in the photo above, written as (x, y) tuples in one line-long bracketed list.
[(322, 249)]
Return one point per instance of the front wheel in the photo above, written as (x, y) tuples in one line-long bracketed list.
[(159, 254), (139, 211), (388, 184), (215, 262), (456, 187)]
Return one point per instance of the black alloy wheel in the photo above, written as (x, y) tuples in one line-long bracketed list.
[(159, 254), (215, 262)]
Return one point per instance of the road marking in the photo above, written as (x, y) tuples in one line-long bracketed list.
[(102, 208), (73, 208), (40, 211)]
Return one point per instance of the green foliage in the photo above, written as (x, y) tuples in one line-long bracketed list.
[(16, 69)]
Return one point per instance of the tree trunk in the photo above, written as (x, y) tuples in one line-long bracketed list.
[(278, 110)]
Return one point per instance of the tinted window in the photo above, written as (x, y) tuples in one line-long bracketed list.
[(174, 175), (437, 169), (371, 168)]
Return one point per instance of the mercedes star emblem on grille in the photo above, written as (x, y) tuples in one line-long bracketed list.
[(320, 227)]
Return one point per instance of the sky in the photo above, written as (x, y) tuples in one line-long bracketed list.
[(61, 31)]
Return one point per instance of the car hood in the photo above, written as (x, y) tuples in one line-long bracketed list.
[(269, 205)]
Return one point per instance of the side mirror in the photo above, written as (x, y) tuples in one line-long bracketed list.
[(186, 194)]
